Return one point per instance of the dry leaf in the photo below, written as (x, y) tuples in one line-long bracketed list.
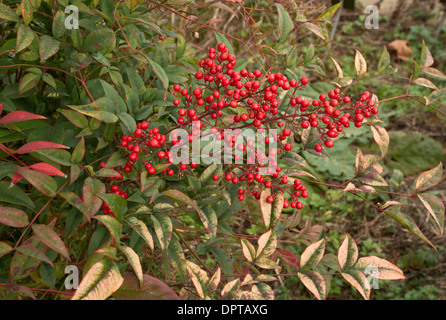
[(402, 49)]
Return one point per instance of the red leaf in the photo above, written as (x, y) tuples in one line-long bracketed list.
[(39, 145), (47, 169), (1, 108), (289, 258), (16, 177), (19, 116)]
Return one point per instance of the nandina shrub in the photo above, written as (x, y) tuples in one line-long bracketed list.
[(133, 164)]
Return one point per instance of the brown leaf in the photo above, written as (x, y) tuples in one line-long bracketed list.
[(402, 49)]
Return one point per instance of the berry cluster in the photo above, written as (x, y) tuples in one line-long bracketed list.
[(222, 98)]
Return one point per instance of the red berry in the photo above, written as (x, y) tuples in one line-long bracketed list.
[(215, 177), (102, 164), (318, 148), (270, 199)]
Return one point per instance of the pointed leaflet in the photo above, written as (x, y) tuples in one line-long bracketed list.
[(79, 151), (101, 281), (178, 195), (151, 289), (198, 276), (379, 268), (267, 244), (4, 248), (23, 265), (116, 203), (382, 138), (347, 253), (58, 26), (289, 258), (40, 181), (91, 188), (248, 250), (435, 95), (285, 24), (27, 11), (140, 228), (19, 116), (15, 195), (314, 282), (313, 254), (7, 13), (408, 223), (163, 229), (428, 178), (384, 60), (213, 282), (271, 211), (159, 72), (230, 289), (266, 263), (39, 145), (328, 14), (34, 252), (102, 109), (426, 59), (47, 169), (101, 40), (134, 261), (435, 207), (50, 238), (76, 118), (27, 82), (48, 47), (210, 221), (358, 280), (360, 64), (113, 226), (25, 37), (13, 217)]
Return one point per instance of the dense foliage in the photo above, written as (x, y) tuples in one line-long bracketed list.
[(89, 121)]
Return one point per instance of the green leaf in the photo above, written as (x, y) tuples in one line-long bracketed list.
[(159, 72), (314, 282), (128, 123), (163, 229), (58, 26), (315, 28), (207, 174), (101, 40), (209, 220), (50, 238), (285, 24), (408, 223), (151, 289), (100, 282), (222, 39), (25, 37), (178, 195), (13, 217), (14, 195), (102, 109), (267, 244), (47, 47), (79, 151), (434, 73), (425, 83), (116, 203), (199, 278), (347, 253), (146, 182), (328, 14), (27, 12), (115, 160), (384, 60), (22, 265), (76, 118), (435, 207), (428, 178), (42, 182), (7, 13), (140, 228), (4, 248), (113, 226), (271, 212), (34, 252), (134, 261), (312, 255), (49, 80), (27, 82)]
